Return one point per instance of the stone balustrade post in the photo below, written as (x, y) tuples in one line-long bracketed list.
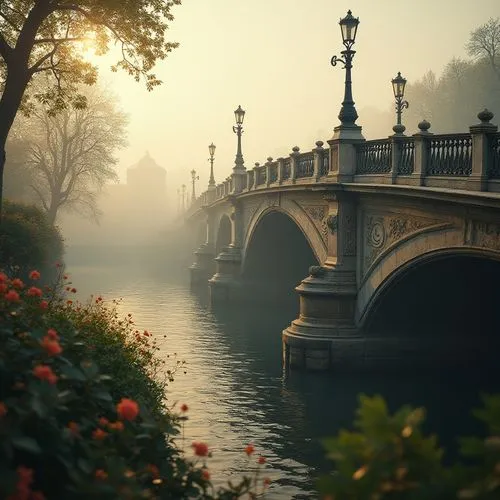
[(293, 163), (250, 179), (268, 170), (318, 153), (396, 141), (256, 175), (481, 153), (421, 152), (280, 168)]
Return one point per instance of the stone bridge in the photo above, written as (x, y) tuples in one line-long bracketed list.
[(399, 234)]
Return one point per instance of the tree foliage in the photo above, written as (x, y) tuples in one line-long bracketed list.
[(484, 42), (70, 155)]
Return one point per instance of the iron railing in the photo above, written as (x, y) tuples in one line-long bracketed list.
[(374, 157), (450, 155)]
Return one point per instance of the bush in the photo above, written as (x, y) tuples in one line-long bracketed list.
[(27, 240), (68, 429), (390, 458)]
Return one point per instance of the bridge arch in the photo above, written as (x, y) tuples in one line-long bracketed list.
[(223, 235), (277, 257), (422, 277)]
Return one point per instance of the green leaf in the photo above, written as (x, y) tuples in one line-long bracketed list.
[(27, 444)]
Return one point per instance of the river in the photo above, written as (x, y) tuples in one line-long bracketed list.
[(236, 388)]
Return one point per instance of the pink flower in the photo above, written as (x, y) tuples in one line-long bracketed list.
[(34, 275), (34, 292), (52, 334)]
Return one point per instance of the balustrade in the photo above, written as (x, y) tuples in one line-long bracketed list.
[(273, 172), (325, 163), (287, 169), (260, 175), (305, 165), (494, 171), (406, 156), (450, 155), (374, 157)]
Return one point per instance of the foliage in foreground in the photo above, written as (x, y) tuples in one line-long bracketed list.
[(389, 457), (70, 430), (27, 240)]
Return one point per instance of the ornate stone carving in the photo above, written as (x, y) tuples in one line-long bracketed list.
[(332, 223), (316, 213), (319, 214), (349, 231), (375, 232), (317, 271), (486, 235)]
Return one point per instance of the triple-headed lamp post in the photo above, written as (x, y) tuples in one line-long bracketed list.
[(398, 87), (349, 28), (239, 115), (211, 181)]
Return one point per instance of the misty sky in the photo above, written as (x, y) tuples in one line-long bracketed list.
[(273, 58)]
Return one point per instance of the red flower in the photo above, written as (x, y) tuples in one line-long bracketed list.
[(69, 302), (116, 426), (200, 449), (17, 283), (153, 470), (205, 474), (127, 409), (99, 434), (249, 449), (34, 275), (184, 408), (261, 460), (3, 409), (73, 290), (44, 372), (267, 482), (3, 278), (34, 292), (25, 478), (44, 304), (12, 296), (74, 428), (103, 421), (100, 474), (52, 347), (52, 334), (3, 287)]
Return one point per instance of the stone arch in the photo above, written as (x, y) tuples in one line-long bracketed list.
[(410, 253), (298, 215), (223, 235)]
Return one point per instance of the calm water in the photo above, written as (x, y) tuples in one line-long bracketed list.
[(235, 386)]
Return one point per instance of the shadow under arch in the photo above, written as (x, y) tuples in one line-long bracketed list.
[(448, 299), (223, 234), (277, 258)]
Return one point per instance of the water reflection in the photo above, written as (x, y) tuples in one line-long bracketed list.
[(236, 388)]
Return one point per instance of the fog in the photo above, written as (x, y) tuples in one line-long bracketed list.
[(273, 59)]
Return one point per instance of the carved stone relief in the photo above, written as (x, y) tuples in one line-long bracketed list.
[(319, 215), (486, 235), (349, 232)]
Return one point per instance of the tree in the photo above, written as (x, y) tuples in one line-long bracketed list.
[(71, 153), (43, 36), (484, 42)]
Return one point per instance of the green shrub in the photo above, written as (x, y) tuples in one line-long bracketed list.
[(27, 240), (390, 458)]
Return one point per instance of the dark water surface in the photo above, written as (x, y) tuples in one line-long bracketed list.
[(235, 386)]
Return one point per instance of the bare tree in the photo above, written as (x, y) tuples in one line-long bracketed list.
[(71, 153), (484, 42)]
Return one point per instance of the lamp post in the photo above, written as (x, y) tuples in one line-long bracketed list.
[(398, 87), (211, 181), (183, 197), (194, 178), (178, 201), (349, 27), (239, 115)]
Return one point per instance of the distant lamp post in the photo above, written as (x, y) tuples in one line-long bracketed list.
[(349, 28), (194, 178), (239, 115), (211, 182), (183, 197), (178, 201), (398, 87)]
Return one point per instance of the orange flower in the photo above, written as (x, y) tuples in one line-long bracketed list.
[(12, 296), (100, 474), (261, 460), (69, 302), (200, 449), (3, 409), (116, 426), (52, 334), (34, 275), (103, 421), (127, 409), (44, 372), (205, 474), (184, 408), (17, 283), (249, 449), (74, 428), (99, 434), (44, 304), (52, 347), (34, 292)]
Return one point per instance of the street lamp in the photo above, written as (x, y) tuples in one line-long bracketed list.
[(183, 197), (349, 28), (239, 115), (211, 182), (194, 178), (398, 87)]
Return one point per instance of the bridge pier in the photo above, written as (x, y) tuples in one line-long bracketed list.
[(204, 266), (225, 284)]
